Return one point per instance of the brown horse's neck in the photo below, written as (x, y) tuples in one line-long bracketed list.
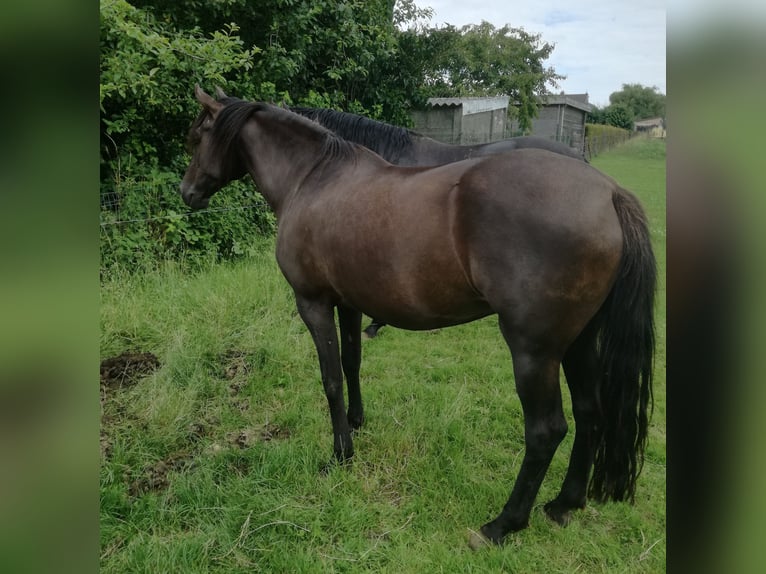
[(280, 154)]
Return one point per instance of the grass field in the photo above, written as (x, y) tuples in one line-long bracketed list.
[(215, 426)]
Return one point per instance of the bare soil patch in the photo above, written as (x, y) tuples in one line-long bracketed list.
[(154, 477), (126, 369), (122, 371)]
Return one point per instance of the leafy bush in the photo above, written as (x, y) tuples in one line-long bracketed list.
[(144, 221), (146, 108), (146, 73)]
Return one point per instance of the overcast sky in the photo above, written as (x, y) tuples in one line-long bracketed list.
[(599, 44)]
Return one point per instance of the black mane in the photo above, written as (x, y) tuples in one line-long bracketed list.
[(236, 112), (387, 141)]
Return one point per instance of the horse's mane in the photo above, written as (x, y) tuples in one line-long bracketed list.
[(236, 112), (386, 140)]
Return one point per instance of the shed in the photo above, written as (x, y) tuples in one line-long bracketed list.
[(463, 121), (562, 118), (654, 127)]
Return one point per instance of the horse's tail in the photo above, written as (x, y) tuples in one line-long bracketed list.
[(626, 353)]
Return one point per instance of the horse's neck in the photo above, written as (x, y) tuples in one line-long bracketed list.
[(282, 155), (278, 159)]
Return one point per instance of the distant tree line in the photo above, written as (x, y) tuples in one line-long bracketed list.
[(634, 102)]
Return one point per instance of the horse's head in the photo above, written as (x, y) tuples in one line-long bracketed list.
[(210, 169)]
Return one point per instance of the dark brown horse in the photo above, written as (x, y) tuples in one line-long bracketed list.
[(405, 147), (556, 249)]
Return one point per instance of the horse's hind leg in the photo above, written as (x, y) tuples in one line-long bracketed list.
[(581, 368), (537, 382), (351, 357)]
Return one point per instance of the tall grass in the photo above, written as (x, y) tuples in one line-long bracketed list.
[(210, 463)]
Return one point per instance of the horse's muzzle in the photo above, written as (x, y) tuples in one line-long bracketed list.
[(193, 197)]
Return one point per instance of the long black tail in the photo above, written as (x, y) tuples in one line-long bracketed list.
[(626, 352)]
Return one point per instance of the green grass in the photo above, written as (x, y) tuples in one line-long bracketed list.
[(211, 462)]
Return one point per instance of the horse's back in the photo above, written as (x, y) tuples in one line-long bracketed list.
[(527, 142)]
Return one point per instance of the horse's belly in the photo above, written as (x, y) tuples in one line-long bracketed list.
[(424, 322), (408, 303)]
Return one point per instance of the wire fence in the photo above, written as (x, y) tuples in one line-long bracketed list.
[(155, 207), (170, 216), (144, 222)]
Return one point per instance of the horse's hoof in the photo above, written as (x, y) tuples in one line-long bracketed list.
[(355, 422), (326, 468), (559, 514), (477, 541), (371, 331), (560, 518)]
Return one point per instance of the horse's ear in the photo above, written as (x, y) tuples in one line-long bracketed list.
[(219, 93), (206, 100)]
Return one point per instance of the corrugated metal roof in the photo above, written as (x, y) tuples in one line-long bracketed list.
[(566, 100), (472, 105), (478, 105)]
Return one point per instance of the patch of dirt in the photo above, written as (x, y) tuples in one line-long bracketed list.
[(271, 431), (105, 443), (198, 430), (154, 477), (235, 364), (126, 369), (242, 405), (245, 438), (122, 371), (236, 386)]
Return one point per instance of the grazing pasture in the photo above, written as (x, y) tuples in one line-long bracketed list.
[(214, 427)]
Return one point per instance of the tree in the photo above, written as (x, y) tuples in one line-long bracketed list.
[(633, 102), (597, 115), (481, 60), (619, 115), (641, 101), (146, 69), (315, 52)]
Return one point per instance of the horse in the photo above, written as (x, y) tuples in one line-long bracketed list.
[(405, 147), (556, 249)]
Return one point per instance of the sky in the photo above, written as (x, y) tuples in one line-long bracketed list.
[(599, 44)]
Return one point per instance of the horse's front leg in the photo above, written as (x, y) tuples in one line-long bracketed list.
[(319, 317), (351, 357)]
